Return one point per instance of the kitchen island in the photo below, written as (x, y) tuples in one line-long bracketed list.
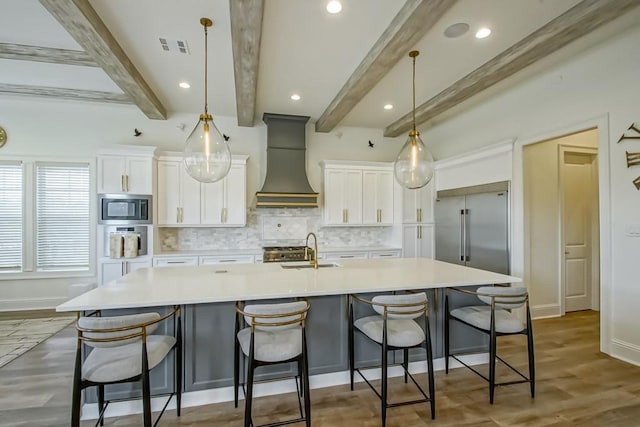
[(208, 295)]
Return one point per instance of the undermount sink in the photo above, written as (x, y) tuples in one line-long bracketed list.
[(297, 266)]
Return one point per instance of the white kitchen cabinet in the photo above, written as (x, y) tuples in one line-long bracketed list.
[(172, 261), (122, 174), (377, 197), (342, 197), (391, 253), (417, 205), (224, 202), (335, 256), (112, 269), (178, 198), (418, 240), (226, 259)]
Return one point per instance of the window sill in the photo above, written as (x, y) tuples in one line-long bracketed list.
[(47, 275)]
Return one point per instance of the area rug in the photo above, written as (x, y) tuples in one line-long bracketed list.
[(17, 336)]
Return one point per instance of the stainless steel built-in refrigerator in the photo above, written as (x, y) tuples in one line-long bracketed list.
[(472, 226), (472, 229)]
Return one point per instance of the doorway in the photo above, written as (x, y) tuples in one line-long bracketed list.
[(560, 213)]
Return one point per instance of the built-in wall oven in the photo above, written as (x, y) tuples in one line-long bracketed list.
[(124, 209)]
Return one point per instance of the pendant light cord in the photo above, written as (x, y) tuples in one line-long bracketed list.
[(205, 72), (413, 55)]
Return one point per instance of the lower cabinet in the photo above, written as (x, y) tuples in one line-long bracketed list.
[(112, 269), (418, 240), (173, 261)]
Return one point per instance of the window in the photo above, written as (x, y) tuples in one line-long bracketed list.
[(62, 217), (11, 216), (45, 218)]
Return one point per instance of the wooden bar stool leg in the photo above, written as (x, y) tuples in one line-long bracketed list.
[(385, 352), (351, 347), (432, 388), (532, 364), (492, 358), (405, 363), (101, 402), (446, 334), (77, 390), (305, 380)]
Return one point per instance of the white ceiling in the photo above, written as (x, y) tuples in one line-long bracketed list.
[(304, 50)]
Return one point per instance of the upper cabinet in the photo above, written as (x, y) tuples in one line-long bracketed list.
[(357, 193), (125, 170), (178, 195), (377, 197), (224, 202), (183, 201), (417, 205)]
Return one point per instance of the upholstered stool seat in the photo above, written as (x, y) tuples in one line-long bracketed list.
[(394, 327), (494, 318), (275, 334), (123, 349)]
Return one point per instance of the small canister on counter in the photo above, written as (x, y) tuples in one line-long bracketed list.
[(131, 245), (116, 245)]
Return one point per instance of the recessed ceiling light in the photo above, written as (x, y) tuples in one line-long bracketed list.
[(388, 106), (482, 33), (456, 30), (295, 97), (334, 6), (184, 85)]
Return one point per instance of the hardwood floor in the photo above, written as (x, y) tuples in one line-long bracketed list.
[(577, 386)]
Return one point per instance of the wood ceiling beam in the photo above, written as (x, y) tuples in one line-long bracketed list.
[(246, 32), (50, 55), (578, 21), (64, 93), (411, 23), (83, 24)]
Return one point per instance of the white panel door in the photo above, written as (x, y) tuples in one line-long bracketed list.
[(385, 197), (133, 265), (334, 197), (417, 241), (353, 196), (236, 196), (139, 176), (168, 198), (110, 270), (426, 241), (577, 192), (417, 205), (111, 170), (370, 207), (189, 198), (213, 202)]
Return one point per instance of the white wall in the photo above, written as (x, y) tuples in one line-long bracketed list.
[(599, 87), (65, 129)]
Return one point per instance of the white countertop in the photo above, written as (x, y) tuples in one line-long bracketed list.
[(150, 287)]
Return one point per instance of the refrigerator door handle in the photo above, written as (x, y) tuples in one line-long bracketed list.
[(467, 247), (462, 235)]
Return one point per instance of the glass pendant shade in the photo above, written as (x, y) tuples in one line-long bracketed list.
[(207, 157), (413, 167)]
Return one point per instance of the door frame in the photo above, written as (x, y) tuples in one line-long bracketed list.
[(601, 123), (562, 291)]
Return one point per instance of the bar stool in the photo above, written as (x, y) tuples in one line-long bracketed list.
[(394, 327), (276, 334), (495, 319), (123, 349)]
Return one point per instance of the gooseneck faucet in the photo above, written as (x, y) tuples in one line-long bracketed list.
[(314, 259)]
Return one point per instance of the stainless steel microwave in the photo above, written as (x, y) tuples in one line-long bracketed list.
[(124, 209)]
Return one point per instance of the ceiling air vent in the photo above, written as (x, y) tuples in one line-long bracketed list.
[(175, 46)]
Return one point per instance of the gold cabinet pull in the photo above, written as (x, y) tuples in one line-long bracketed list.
[(346, 215), (222, 215), (417, 215), (420, 215), (126, 180), (181, 215), (122, 183), (178, 215)]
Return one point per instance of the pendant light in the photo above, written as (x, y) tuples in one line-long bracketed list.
[(413, 167), (207, 157)]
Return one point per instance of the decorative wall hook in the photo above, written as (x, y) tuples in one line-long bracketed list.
[(633, 128)]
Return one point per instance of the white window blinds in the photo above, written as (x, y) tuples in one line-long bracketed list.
[(11, 217), (62, 217)]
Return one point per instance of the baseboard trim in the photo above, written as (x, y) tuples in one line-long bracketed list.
[(625, 351), (22, 304), (225, 394), (544, 311)]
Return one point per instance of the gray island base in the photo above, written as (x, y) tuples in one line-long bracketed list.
[(208, 294)]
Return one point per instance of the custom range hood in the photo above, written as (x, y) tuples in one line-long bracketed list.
[(286, 184)]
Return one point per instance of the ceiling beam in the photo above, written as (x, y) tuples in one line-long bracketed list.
[(413, 21), (64, 93), (578, 21), (83, 24), (51, 55), (246, 32)]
